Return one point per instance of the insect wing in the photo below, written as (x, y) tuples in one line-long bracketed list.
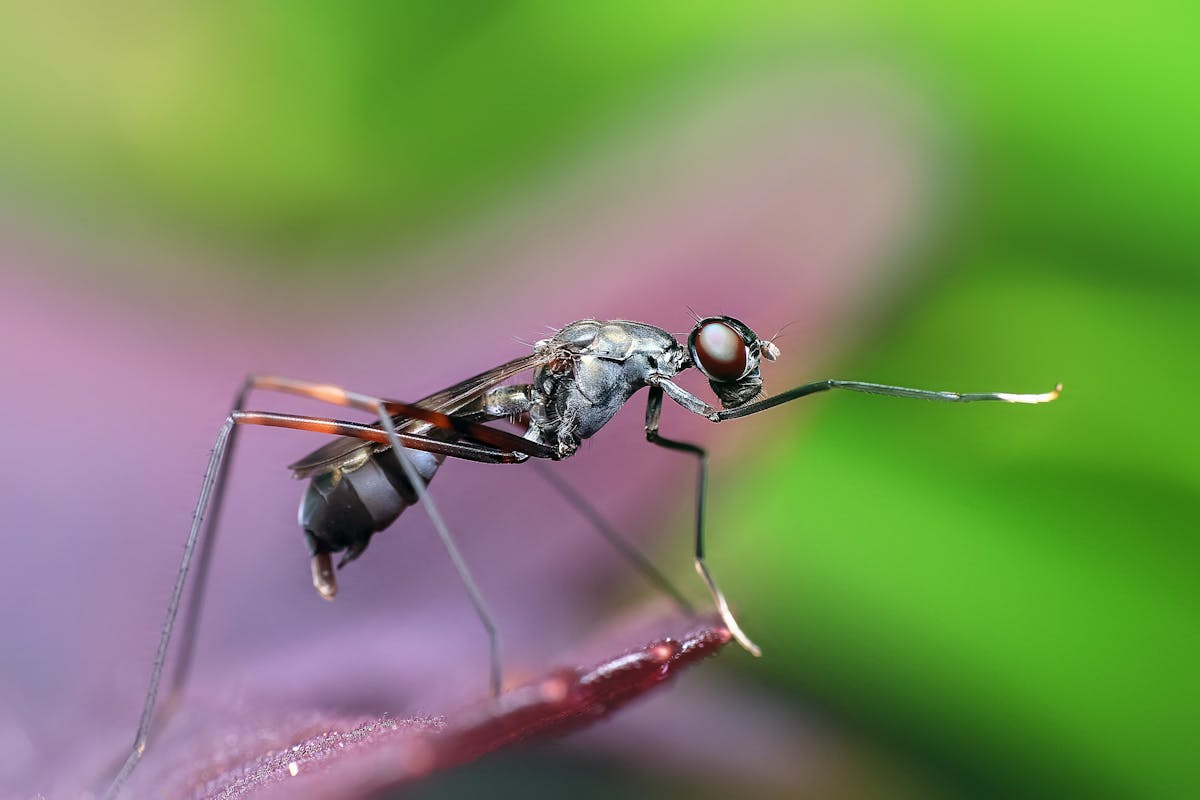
[(447, 401), (460, 394)]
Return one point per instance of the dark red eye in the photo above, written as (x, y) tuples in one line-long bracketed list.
[(720, 351)]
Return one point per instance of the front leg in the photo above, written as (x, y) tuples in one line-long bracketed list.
[(683, 397), (697, 406)]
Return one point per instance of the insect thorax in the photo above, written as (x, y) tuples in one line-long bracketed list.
[(594, 369)]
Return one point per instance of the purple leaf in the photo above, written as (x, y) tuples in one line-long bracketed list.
[(348, 757)]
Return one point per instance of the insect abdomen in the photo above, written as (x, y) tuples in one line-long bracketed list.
[(343, 508)]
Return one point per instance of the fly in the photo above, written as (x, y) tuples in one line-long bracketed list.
[(361, 482)]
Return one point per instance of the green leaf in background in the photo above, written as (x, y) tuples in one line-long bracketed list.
[(1082, 120), (288, 127)]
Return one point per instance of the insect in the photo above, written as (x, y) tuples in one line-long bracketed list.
[(361, 482)]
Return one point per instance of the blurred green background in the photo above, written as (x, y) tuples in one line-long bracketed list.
[(989, 605)]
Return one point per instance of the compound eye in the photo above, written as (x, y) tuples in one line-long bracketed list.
[(720, 351)]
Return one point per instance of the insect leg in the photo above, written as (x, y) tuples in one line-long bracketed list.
[(216, 463), (191, 617), (467, 451), (513, 401), (653, 412), (384, 409), (890, 391), (188, 629), (398, 441), (460, 565), (659, 385), (409, 411), (214, 474), (630, 552), (697, 406)]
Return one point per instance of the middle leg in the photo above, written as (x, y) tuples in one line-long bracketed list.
[(653, 413), (627, 549)]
